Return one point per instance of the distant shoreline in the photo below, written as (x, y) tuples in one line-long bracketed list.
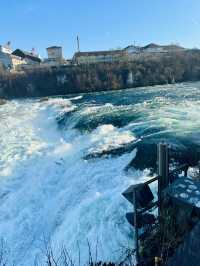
[(154, 70)]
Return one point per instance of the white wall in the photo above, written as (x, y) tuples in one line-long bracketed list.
[(6, 60), (55, 53), (5, 49), (132, 49), (10, 61)]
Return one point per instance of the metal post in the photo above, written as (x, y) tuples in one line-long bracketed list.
[(163, 165), (163, 172), (136, 228)]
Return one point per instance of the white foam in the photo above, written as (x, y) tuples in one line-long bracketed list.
[(107, 137), (59, 102), (95, 108), (48, 190), (76, 98), (184, 195)]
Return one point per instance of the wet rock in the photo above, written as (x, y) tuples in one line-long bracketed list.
[(114, 151), (146, 156), (44, 99), (191, 155)]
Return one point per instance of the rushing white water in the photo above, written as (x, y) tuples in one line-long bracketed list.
[(49, 192)]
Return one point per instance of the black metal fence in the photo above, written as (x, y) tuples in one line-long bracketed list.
[(142, 198)]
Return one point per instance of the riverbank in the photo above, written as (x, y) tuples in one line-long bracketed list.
[(148, 71)]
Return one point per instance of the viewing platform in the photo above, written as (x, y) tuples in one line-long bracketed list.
[(185, 190), (168, 235)]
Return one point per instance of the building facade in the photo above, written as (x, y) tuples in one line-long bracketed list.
[(55, 52), (55, 55), (155, 48), (8, 60), (29, 58), (5, 49), (99, 57), (132, 49), (17, 62), (130, 53)]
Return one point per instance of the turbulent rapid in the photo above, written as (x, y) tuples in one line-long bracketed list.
[(64, 162)]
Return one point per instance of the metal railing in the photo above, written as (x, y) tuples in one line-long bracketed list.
[(164, 179)]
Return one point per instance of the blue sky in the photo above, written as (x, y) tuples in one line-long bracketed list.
[(100, 24)]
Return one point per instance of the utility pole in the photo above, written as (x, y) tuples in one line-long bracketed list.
[(78, 44)]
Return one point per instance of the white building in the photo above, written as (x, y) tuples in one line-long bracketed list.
[(55, 57), (99, 57), (9, 60), (132, 49), (5, 49), (55, 53), (153, 48), (29, 57)]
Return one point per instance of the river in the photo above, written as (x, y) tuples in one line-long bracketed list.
[(64, 162)]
